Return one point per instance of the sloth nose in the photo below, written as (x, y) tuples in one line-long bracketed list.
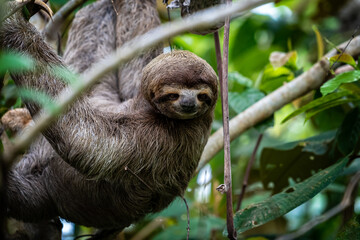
[(188, 104)]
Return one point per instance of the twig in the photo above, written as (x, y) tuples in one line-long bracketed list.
[(247, 173), (124, 54), (264, 108), (188, 218), (345, 202), (52, 27), (225, 112)]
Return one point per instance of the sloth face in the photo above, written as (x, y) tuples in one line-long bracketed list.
[(176, 101)]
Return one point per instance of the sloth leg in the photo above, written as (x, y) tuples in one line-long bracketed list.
[(91, 39), (134, 18), (28, 197)]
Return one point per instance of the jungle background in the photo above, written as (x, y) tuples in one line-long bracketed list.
[(319, 131)]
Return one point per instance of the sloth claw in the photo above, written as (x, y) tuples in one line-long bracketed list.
[(44, 7), (35, 5)]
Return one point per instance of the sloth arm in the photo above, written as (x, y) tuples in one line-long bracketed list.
[(82, 136)]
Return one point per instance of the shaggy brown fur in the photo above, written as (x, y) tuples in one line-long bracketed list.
[(90, 167)]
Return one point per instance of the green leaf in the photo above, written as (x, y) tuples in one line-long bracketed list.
[(316, 103), (240, 79), (241, 101), (274, 78), (297, 160), (333, 84), (347, 137), (39, 97), (11, 61), (65, 75), (319, 42), (338, 102), (343, 58), (257, 214)]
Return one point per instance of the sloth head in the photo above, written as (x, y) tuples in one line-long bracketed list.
[(180, 85)]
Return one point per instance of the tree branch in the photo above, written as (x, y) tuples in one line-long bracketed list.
[(345, 202), (264, 108)]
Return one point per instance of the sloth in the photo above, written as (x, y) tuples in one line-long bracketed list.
[(127, 147)]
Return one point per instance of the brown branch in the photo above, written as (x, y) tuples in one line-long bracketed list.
[(345, 203), (52, 27), (264, 108), (226, 131), (247, 173)]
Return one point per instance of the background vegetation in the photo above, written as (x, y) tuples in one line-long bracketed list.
[(308, 151)]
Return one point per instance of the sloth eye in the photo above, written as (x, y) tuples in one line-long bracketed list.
[(203, 97), (172, 96)]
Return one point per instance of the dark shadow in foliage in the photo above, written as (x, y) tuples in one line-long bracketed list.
[(297, 160)]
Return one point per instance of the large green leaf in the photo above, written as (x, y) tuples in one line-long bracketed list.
[(323, 101), (333, 84), (338, 102), (257, 214), (297, 160)]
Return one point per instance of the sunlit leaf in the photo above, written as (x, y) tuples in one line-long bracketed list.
[(319, 41), (274, 78), (11, 61), (259, 213), (333, 84), (316, 103), (343, 58)]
